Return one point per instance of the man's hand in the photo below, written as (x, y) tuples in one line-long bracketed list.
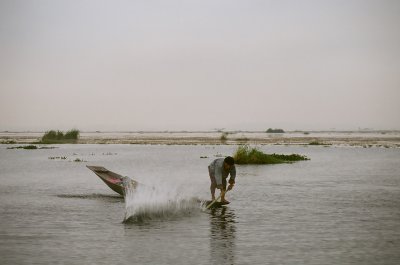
[(231, 184)]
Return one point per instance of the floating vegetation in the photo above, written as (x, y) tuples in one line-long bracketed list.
[(57, 157), (8, 142), (65, 158), (317, 143), (270, 130), (246, 155), (58, 137), (79, 160), (29, 147), (109, 154)]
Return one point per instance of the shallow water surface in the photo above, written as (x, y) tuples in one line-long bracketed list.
[(341, 207)]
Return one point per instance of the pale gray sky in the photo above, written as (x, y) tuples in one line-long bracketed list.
[(199, 65)]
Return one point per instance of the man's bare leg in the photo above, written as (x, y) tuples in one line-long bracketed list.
[(212, 189), (223, 195)]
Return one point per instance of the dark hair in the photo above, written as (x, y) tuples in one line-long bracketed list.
[(229, 160)]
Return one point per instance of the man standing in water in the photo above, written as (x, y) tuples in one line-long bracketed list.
[(219, 170)]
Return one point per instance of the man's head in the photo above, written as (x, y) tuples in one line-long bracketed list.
[(228, 162)]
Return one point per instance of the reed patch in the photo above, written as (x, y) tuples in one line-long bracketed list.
[(247, 155)]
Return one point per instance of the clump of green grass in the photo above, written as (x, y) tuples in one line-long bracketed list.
[(78, 160), (29, 147), (72, 134), (317, 143), (58, 157), (8, 142), (224, 137), (32, 147), (246, 155), (58, 137), (270, 130)]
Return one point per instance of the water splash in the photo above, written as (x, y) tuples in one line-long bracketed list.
[(147, 202)]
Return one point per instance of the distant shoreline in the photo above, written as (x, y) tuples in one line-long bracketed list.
[(218, 131), (388, 139)]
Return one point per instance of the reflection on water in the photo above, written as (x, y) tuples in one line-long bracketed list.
[(223, 235)]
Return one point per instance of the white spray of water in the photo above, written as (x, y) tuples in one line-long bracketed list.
[(159, 200)]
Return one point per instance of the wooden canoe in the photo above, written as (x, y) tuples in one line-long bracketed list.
[(113, 180)]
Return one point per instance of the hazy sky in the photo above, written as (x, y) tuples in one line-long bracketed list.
[(199, 65)]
